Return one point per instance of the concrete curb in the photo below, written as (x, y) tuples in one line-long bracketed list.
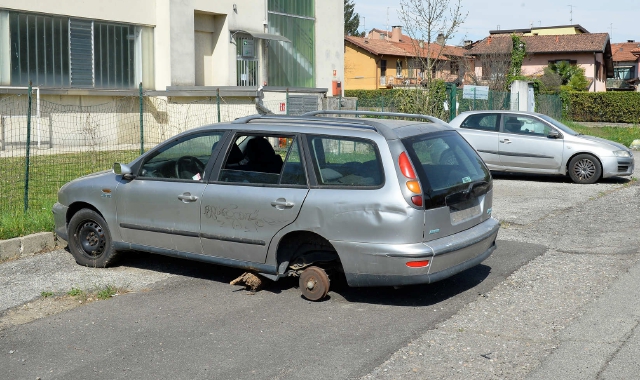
[(29, 245)]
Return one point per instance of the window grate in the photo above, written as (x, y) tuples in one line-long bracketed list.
[(81, 52)]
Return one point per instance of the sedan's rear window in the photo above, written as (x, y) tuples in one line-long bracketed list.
[(445, 162)]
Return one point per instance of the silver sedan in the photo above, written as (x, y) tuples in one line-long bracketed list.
[(529, 142)]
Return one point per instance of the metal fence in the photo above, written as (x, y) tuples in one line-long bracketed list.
[(497, 100), (44, 144)]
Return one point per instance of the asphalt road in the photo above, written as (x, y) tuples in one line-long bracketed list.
[(195, 325)]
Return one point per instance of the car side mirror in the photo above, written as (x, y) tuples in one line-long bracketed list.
[(123, 170), (553, 134)]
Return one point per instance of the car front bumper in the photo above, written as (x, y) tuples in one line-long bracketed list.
[(367, 264), (60, 220), (617, 166)]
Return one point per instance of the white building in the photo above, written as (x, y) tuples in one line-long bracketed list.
[(97, 48)]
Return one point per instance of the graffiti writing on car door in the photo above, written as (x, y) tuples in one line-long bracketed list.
[(231, 216)]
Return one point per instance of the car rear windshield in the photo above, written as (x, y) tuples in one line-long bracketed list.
[(446, 164)]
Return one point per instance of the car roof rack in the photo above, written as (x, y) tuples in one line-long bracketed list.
[(303, 119), (376, 113)]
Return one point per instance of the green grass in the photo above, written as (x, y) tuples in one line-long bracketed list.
[(623, 135), (106, 292), (47, 173), (46, 294)]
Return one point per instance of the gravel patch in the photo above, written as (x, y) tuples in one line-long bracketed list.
[(25, 279)]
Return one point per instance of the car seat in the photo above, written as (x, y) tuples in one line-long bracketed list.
[(262, 157), (513, 125)]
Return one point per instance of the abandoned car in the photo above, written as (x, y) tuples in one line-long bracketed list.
[(378, 202)]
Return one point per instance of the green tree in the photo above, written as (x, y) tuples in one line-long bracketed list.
[(572, 76), (351, 19)]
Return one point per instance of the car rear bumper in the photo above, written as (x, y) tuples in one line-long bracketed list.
[(60, 220), (386, 264), (617, 166)]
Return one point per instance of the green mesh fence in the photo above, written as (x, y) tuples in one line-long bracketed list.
[(65, 141), (496, 100)]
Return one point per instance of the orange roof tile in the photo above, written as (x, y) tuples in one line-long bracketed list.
[(624, 52), (568, 43)]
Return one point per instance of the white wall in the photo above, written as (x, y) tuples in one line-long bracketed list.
[(174, 33), (329, 43)]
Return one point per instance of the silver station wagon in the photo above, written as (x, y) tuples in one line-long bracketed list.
[(380, 202), (529, 142)]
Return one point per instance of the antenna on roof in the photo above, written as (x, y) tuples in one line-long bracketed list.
[(364, 26), (387, 23), (570, 13)]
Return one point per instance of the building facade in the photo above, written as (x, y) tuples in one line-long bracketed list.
[(386, 59), (90, 46), (590, 51)]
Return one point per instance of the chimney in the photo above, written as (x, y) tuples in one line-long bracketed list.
[(630, 41), (467, 43), (396, 33), (440, 39)]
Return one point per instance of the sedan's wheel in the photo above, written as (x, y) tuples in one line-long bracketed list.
[(90, 239), (314, 283), (584, 168)]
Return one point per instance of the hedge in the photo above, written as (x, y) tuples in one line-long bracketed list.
[(607, 107)]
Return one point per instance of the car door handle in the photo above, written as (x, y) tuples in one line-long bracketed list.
[(506, 141), (187, 197), (281, 204)]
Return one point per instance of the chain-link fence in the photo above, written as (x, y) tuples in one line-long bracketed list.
[(44, 144)]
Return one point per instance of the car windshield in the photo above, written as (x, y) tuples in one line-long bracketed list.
[(446, 163), (559, 125)]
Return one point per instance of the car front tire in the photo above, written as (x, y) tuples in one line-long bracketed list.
[(90, 239), (585, 169)]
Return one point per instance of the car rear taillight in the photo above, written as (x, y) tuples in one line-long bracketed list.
[(413, 185)]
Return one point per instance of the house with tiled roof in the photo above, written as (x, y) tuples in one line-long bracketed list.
[(626, 61), (591, 51), (386, 59)]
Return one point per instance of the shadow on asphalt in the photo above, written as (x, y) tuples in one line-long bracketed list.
[(414, 295), (553, 178)]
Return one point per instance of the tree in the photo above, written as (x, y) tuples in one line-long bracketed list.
[(572, 76), (424, 20), (351, 19)]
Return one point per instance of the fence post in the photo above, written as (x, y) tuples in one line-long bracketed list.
[(218, 103), (141, 120), (286, 108), (26, 168)]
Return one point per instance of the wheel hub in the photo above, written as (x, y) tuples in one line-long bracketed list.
[(92, 239), (314, 283), (311, 284)]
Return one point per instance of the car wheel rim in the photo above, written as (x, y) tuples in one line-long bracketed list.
[(91, 238), (584, 169)]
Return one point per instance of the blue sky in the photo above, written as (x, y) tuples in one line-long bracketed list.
[(619, 18)]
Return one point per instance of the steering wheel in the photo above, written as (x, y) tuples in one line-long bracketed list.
[(190, 164)]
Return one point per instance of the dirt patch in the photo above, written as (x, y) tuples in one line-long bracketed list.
[(46, 306), (39, 308)]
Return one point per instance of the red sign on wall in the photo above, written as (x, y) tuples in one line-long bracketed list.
[(283, 107)]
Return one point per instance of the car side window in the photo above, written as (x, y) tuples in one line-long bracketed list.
[(342, 161), (184, 159), (482, 122), (260, 159), (525, 125)]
